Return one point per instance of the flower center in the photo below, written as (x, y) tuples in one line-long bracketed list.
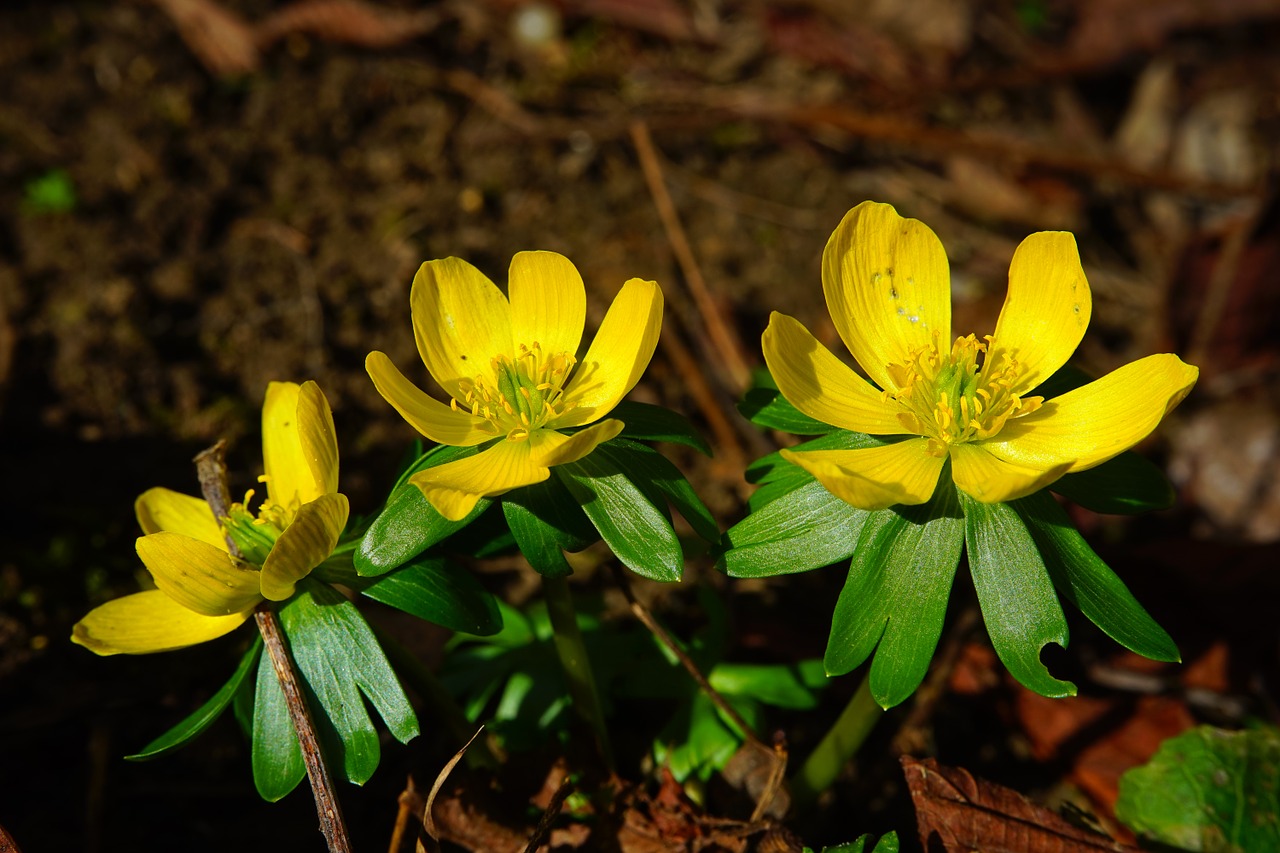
[(958, 396), (256, 535), (526, 395)]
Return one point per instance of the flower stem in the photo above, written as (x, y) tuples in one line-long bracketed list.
[(211, 468), (576, 664), (839, 745)]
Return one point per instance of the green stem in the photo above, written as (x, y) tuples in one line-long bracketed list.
[(576, 664), (839, 745)]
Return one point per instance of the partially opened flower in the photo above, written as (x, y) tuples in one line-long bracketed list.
[(508, 363), (203, 591), (965, 400)]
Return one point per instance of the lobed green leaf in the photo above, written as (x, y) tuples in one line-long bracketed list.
[(409, 524), (807, 529), (627, 518), (895, 598), (205, 715), (1015, 593), (1086, 581), (277, 756), (1125, 485), (645, 422)]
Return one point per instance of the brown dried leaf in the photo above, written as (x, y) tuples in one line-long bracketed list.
[(222, 42), (347, 22), (966, 814), (7, 844), (1108, 30)]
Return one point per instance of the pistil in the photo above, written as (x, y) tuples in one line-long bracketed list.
[(525, 394), (958, 397)]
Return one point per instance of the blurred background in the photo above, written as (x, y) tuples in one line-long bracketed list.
[(200, 196)]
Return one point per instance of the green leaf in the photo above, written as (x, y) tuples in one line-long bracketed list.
[(888, 843), (439, 591), (429, 587), (536, 540), (1015, 593), (629, 522), (1125, 485), (895, 598), (1086, 581), (339, 659), (644, 422), (773, 684), (408, 524), (763, 468), (1208, 790), (767, 407), (552, 503), (204, 716), (810, 529), (645, 466), (277, 757), (550, 522)]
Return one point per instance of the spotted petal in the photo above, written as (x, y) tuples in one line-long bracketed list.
[(164, 509), (618, 355), (820, 385), (427, 415), (1098, 421), (148, 622), (461, 322), (454, 488), (888, 287), (548, 302), (988, 479), (877, 477), (1046, 310), (306, 543), (199, 576), (289, 477)]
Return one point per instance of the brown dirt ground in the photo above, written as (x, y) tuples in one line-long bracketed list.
[(228, 230)]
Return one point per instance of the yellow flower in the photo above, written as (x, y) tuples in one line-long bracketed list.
[(202, 590), (887, 287), (508, 364)]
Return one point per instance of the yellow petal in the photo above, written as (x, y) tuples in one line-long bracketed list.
[(548, 302), (148, 622), (618, 355), (288, 474), (820, 385), (461, 322), (1095, 422), (454, 488), (551, 448), (306, 543), (888, 287), (199, 576), (164, 509), (319, 440), (877, 477), (427, 415), (1046, 310), (990, 480)]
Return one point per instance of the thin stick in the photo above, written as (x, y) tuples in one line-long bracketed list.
[(646, 618), (211, 468), (723, 338)]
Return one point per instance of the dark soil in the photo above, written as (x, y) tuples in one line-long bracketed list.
[(226, 230)]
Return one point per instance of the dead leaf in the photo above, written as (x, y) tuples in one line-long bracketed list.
[(7, 844), (966, 814), (1108, 30), (219, 38), (347, 22)]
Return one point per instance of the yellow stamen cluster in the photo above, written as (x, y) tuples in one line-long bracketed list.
[(526, 392), (957, 397)]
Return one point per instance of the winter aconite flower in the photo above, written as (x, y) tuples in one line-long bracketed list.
[(203, 591), (967, 400), (509, 365)]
